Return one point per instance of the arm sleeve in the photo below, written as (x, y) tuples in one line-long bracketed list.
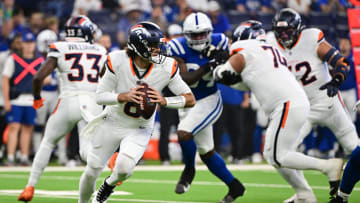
[(178, 86), (9, 67), (105, 91)]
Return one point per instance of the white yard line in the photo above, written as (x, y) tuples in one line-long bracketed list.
[(70, 195), (233, 167), (170, 182)]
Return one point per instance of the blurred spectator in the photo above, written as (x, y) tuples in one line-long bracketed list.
[(6, 12), (157, 17), (349, 87), (145, 5), (19, 21), (134, 14), (329, 6), (301, 6), (174, 31), (6, 31), (15, 46), (198, 5), (28, 6), (36, 23), (176, 13), (253, 6), (110, 4), (52, 23), (278, 4), (82, 7), (219, 20), (105, 41), (18, 98)]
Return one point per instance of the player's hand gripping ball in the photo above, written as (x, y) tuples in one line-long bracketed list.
[(147, 108)]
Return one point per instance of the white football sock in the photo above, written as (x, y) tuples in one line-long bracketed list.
[(41, 160), (88, 183), (344, 195)]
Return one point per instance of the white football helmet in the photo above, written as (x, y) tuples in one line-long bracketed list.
[(197, 29), (44, 39)]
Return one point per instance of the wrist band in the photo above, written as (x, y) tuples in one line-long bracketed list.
[(175, 102)]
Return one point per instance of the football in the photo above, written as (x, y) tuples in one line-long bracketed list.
[(147, 108)]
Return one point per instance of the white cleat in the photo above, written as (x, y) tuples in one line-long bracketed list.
[(295, 199)]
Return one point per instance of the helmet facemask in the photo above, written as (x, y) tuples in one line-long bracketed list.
[(287, 36), (198, 40), (287, 27)]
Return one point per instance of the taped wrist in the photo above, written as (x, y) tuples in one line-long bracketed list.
[(175, 102), (341, 72)]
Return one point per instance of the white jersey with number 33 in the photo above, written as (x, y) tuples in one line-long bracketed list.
[(266, 74), (78, 65)]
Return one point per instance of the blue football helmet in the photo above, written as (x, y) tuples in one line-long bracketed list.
[(250, 29), (287, 27), (147, 40), (80, 28)]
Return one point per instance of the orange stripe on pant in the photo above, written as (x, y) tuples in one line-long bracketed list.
[(283, 122)]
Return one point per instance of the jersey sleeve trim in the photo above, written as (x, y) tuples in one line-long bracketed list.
[(174, 70), (52, 47), (109, 65), (235, 51), (320, 37)]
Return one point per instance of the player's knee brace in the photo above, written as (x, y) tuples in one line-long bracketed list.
[(184, 136), (124, 167)]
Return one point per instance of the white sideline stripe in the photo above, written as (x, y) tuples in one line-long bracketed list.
[(171, 182), (70, 196), (58, 192), (232, 167)]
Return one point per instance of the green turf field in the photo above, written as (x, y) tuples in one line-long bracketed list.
[(153, 185)]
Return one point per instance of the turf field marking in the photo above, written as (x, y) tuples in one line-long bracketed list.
[(172, 182), (232, 167), (75, 195)]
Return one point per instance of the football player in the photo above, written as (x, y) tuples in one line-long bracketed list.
[(77, 61), (123, 122), (309, 56), (198, 52), (280, 96)]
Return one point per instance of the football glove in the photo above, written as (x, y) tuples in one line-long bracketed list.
[(38, 102), (210, 66), (220, 55), (332, 86), (227, 77)]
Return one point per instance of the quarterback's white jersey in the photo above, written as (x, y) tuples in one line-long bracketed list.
[(122, 74), (305, 64), (78, 65), (264, 79)]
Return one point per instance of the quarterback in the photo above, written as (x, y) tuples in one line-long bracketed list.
[(124, 122)]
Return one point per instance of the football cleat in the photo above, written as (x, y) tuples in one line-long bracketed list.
[(295, 199), (112, 162), (184, 183), (27, 194), (236, 189), (103, 193), (337, 199)]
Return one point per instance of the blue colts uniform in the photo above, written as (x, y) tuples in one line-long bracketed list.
[(179, 48)]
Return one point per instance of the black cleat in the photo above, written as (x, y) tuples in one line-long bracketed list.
[(337, 199), (236, 189), (334, 186), (185, 181), (104, 192)]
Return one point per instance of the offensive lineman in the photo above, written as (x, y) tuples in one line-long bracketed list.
[(198, 52), (142, 61), (280, 96), (78, 62), (309, 55)]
